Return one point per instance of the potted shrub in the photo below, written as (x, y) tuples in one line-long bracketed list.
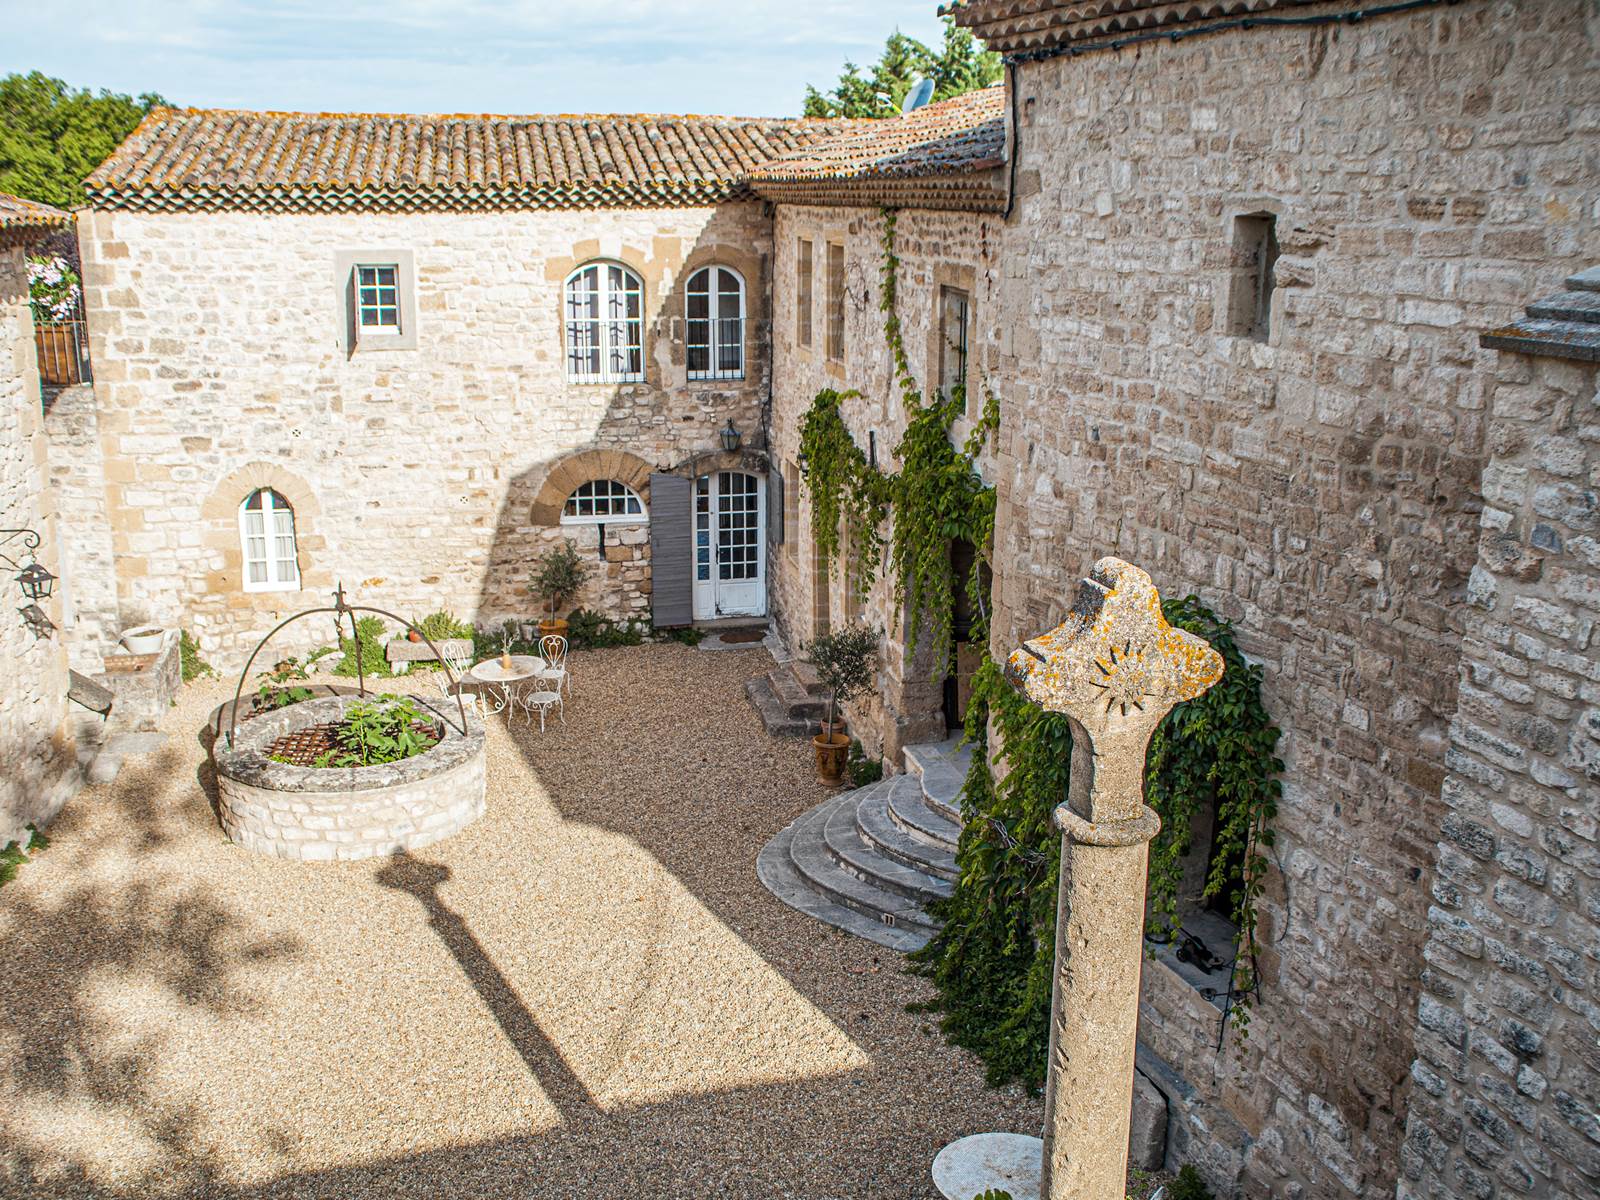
[(844, 661), (555, 580)]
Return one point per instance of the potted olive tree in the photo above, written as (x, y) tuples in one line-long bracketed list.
[(845, 661), (555, 579)]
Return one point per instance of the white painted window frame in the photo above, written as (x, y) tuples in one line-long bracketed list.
[(364, 330), (714, 344), (604, 323), (283, 575), (642, 517)]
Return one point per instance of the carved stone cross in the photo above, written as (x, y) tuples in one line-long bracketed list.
[(1115, 668)]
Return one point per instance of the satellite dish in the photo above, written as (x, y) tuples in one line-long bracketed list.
[(921, 92)]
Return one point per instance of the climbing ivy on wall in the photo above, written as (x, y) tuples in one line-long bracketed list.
[(992, 961), (936, 497)]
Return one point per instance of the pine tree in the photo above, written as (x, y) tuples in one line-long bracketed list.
[(961, 65)]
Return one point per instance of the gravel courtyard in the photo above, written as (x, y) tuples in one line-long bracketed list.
[(585, 994)]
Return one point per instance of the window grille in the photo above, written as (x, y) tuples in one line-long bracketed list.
[(715, 342), (605, 325)]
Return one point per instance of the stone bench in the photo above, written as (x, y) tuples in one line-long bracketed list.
[(403, 650)]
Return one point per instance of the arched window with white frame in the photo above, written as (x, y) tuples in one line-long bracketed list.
[(266, 537), (604, 502), (605, 324), (715, 342)]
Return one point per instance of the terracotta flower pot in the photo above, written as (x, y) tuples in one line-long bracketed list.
[(413, 636), (832, 751), (555, 625)]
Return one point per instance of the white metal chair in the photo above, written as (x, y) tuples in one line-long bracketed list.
[(553, 649), (454, 679), (533, 696)]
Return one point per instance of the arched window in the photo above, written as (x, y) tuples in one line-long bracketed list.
[(605, 325), (716, 324), (604, 502), (266, 535)]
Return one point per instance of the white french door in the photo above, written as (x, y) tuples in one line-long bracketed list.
[(730, 551)]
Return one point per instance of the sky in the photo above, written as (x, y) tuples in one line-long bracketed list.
[(736, 57)]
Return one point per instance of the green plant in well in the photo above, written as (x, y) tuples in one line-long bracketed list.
[(557, 577), (193, 666), (371, 634), (1189, 1185), (992, 962), (442, 626), (14, 855), (845, 661), (385, 729), (863, 770)]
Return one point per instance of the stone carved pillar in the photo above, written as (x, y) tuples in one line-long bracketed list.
[(1115, 668)]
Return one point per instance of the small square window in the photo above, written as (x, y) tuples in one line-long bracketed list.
[(378, 298)]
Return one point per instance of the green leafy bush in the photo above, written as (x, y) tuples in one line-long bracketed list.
[(590, 630), (1189, 1186), (194, 667), (14, 855), (687, 635), (372, 661), (383, 730), (863, 770), (442, 625)]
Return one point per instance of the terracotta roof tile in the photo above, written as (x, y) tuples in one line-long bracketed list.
[(1022, 27), (17, 214), (944, 155), (270, 161)]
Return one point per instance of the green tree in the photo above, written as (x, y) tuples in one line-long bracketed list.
[(53, 135), (960, 65)]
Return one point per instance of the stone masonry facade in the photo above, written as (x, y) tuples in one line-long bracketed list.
[(1506, 1084), (416, 475), (935, 250), (1428, 174), (38, 762)]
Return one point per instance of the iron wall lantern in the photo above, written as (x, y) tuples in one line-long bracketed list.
[(731, 437), (36, 582)]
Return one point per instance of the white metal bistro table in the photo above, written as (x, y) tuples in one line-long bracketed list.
[(502, 684)]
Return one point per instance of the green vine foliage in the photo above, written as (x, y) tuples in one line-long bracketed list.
[(937, 497), (992, 961)]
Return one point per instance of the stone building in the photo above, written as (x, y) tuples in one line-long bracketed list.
[(1245, 269), (38, 764), (410, 353)]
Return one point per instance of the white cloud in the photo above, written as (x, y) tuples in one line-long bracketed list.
[(736, 56)]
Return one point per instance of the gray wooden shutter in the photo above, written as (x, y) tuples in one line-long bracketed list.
[(671, 550), (775, 505)]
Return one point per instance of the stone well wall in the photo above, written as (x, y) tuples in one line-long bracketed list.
[(935, 249), (1429, 173), (219, 366), (38, 764), (323, 814)]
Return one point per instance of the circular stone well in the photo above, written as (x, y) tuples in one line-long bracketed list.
[(326, 813)]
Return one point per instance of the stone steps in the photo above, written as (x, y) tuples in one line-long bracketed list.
[(870, 860), (789, 699)]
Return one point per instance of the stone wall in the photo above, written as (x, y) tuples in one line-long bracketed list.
[(38, 764), (77, 481), (935, 249), (414, 474), (1507, 1077), (1320, 488)]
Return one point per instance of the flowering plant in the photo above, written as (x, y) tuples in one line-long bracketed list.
[(52, 287)]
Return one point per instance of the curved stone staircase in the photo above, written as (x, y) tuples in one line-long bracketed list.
[(869, 860)]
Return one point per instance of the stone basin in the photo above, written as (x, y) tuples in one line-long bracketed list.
[(327, 813)]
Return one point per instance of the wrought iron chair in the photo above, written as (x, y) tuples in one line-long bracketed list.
[(454, 679), (553, 649), (532, 695)]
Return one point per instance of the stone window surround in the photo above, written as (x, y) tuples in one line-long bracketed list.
[(351, 341), (805, 290), (837, 300), (220, 535), (642, 517), (568, 474), (1234, 208), (949, 276)]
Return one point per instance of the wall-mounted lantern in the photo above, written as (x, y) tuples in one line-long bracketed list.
[(36, 582), (731, 437)]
